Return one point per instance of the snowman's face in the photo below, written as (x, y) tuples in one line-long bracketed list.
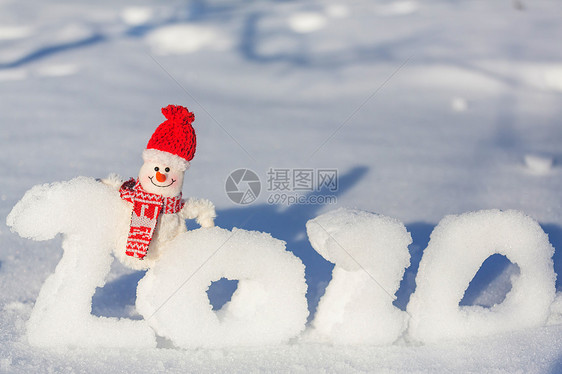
[(161, 179)]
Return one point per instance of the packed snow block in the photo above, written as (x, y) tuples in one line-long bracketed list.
[(268, 306), (370, 253), (458, 247), (86, 213), (555, 317)]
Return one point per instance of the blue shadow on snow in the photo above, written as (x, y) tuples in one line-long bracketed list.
[(53, 49), (117, 297)]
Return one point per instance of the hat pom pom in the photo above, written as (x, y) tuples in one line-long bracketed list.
[(178, 114)]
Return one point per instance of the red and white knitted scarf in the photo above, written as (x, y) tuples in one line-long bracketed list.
[(146, 209)]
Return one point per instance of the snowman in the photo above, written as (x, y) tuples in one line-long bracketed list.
[(152, 204)]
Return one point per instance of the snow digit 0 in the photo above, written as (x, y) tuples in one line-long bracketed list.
[(370, 253), (86, 213), (458, 247), (268, 307)]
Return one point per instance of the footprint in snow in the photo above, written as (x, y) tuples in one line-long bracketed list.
[(14, 32), (397, 8), (12, 74), (538, 164), (553, 78), (61, 70), (185, 38), (459, 104), (136, 15), (337, 11), (306, 22)]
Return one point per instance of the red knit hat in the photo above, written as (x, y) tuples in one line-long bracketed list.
[(174, 141)]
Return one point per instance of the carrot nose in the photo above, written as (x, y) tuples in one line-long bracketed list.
[(160, 177)]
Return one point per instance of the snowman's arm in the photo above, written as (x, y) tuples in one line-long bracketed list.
[(113, 180), (201, 209)]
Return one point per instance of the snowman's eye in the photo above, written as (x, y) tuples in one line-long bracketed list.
[(156, 168), (167, 170)]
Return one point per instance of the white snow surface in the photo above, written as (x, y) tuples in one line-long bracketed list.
[(370, 90)]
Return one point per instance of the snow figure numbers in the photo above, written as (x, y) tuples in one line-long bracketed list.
[(143, 222), (87, 214), (458, 246), (268, 306), (370, 255)]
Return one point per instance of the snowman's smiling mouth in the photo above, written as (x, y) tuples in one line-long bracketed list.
[(151, 181)]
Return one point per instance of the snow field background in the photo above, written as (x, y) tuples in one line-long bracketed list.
[(470, 122)]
